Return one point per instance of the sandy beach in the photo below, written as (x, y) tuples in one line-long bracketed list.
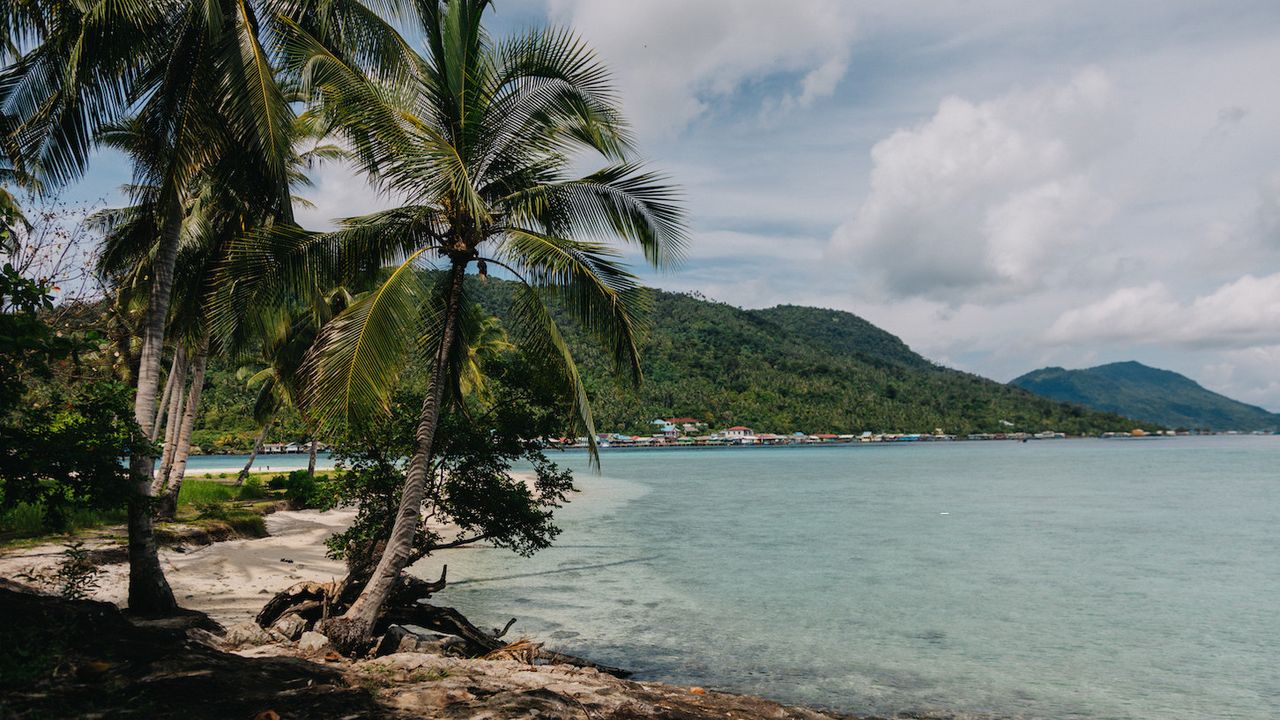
[(229, 580)]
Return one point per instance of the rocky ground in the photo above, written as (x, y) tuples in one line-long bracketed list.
[(85, 659)]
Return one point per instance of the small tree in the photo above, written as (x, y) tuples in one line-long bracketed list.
[(471, 489), (62, 430)]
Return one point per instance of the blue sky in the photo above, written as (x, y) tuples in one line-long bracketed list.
[(1005, 185)]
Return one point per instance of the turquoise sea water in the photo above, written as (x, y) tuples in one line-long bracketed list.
[(1056, 579), (231, 464)]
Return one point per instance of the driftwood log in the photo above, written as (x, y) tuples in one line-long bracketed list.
[(316, 602)]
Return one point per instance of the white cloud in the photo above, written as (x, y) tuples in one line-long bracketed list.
[(1240, 314), (981, 198), (1248, 375), (674, 59), (337, 192)]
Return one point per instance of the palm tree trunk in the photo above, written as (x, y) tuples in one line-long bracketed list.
[(176, 405), (257, 445), (169, 502), (311, 461), (149, 591), (168, 392), (354, 627)]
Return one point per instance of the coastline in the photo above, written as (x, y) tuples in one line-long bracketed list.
[(229, 581)]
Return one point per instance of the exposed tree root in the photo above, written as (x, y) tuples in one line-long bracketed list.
[(321, 605)]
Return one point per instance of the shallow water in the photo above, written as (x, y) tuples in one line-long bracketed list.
[(276, 462), (1068, 578)]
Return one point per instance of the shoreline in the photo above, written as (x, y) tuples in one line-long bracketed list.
[(231, 580)]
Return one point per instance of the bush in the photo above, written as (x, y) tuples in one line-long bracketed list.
[(253, 489), (76, 577), (212, 511), (300, 489), (474, 488), (23, 519)]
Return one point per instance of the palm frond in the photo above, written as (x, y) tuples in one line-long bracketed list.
[(357, 356), (601, 294), (537, 332)]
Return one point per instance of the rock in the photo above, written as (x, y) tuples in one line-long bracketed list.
[(245, 635), (291, 626), (400, 639), (439, 697), (312, 642)]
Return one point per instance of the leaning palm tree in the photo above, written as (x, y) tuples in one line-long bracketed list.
[(480, 140)]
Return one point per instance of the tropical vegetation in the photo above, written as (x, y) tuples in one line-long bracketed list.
[(221, 107)]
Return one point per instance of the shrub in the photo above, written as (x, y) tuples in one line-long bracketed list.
[(211, 511), (253, 489), (300, 489), (76, 577), (194, 492)]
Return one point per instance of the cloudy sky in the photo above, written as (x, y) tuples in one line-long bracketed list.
[(1005, 185)]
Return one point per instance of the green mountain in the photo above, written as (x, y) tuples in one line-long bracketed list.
[(1149, 394), (791, 368), (780, 370)]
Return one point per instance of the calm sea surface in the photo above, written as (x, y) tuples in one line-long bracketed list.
[(1050, 579), (1055, 579)]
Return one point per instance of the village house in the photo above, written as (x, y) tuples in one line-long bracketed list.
[(666, 428), (687, 424)]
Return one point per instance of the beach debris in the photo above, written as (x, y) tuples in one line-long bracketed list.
[(523, 650), (697, 690), (315, 603), (92, 670)]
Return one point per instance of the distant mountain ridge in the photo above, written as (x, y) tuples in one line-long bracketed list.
[(792, 368), (1148, 394)]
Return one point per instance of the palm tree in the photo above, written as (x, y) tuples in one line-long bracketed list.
[(285, 334), (200, 77), (228, 199), (480, 139), (92, 61)]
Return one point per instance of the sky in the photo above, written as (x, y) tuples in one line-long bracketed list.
[(1004, 185)]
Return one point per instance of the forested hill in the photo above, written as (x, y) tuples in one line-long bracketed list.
[(778, 370), (793, 368), (1150, 394)]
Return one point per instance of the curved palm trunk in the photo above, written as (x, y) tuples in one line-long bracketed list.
[(354, 627), (257, 446), (168, 393), (169, 502), (172, 427), (149, 591), (311, 460)]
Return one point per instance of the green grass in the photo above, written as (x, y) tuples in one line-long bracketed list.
[(243, 505), (196, 492), (26, 520)]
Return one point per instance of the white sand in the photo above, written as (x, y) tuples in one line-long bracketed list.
[(232, 580)]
